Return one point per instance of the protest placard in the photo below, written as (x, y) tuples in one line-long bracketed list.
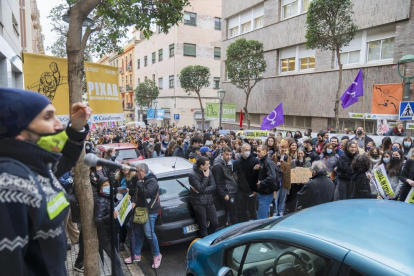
[(383, 184), (286, 169), (410, 197), (300, 175), (123, 208)]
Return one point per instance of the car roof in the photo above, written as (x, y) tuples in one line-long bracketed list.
[(118, 146), (163, 166), (378, 229)]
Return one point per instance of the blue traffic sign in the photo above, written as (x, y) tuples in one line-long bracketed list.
[(406, 110), (176, 117)]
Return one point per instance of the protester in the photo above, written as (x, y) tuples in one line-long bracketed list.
[(310, 153), (247, 179), (398, 130), (179, 151), (330, 159), (344, 171), (407, 178), (271, 145), (407, 146), (374, 156), (362, 139), (202, 193), (293, 147), (157, 151), (334, 141), (226, 183), (35, 151), (320, 144), (170, 148), (359, 182), (319, 190), (207, 152)]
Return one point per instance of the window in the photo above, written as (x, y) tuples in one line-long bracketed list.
[(190, 50), (233, 32), (289, 9), (160, 54), (171, 81), (246, 27), (15, 25), (190, 18), (288, 64), (305, 5), (139, 63), (265, 255), (350, 57), (216, 83), (145, 78), (171, 50), (217, 23), (153, 77), (307, 63), (258, 22), (145, 61), (174, 188), (160, 83), (381, 49), (139, 80), (217, 52), (153, 58)]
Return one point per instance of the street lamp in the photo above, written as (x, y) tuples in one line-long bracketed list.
[(155, 111), (407, 79), (220, 95), (89, 22)]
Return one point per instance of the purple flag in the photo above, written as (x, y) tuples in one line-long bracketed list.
[(354, 91), (274, 119)]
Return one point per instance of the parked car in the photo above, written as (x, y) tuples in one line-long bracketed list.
[(176, 222), (124, 151), (347, 237)]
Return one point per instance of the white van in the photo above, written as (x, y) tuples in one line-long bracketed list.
[(135, 124)]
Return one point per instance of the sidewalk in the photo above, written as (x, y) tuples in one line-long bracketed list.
[(104, 268)]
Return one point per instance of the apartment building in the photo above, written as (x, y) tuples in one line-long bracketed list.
[(306, 80), (126, 76), (30, 28), (10, 60), (195, 41)]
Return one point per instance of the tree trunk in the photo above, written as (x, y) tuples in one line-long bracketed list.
[(338, 92), (75, 46), (246, 111), (202, 110)]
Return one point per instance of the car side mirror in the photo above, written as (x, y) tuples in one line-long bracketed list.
[(225, 271)]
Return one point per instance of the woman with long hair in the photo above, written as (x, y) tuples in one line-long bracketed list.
[(299, 162), (178, 149), (271, 146), (374, 156), (386, 144), (171, 148), (407, 146), (393, 162), (330, 159), (293, 147), (359, 181), (157, 151), (110, 154), (344, 171)]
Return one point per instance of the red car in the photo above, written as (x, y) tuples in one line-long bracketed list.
[(124, 151)]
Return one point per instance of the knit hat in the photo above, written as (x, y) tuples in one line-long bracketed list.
[(19, 108)]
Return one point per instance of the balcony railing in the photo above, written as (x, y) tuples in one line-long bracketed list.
[(121, 89), (129, 68), (121, 71), (129, 106), (128, 88)]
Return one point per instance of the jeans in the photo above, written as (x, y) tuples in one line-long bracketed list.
[(148, 229), (264, 205), (204, 213), (279, 207)]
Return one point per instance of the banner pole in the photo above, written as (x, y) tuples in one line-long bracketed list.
[(363, 108)]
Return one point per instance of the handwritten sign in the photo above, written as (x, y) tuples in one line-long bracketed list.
[(410, 197), (123, 208), (383, 184), (286, 169), (300, 175)]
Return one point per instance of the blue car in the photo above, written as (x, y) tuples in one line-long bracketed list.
[(349, 238)]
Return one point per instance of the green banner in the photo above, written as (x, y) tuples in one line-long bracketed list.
[(228, 115)]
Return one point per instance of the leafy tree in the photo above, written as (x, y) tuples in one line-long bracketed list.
[(330, 27), (112, 19), (146, 92), (192, 79), (245, 64)]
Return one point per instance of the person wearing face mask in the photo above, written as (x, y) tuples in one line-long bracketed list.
[(330, 159), (361, 138), (35, 151), (374, 156), (102, 216), (344, 171), (319, 190), (298, 137), (407, 146), (396, 146), (246, 179)]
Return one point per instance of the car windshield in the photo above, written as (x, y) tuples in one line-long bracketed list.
[(174, 187), (127, 154)]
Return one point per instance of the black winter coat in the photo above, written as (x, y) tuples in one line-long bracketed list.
[(344, 170), (205, 187), (246, 176), (148, 190), (178, 152), (312, 156), (360, 186), (223, 176), (320, 189), (406, 173), (102, 211), (267, 175)]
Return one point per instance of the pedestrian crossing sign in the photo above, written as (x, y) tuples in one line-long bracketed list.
[(406, 110)]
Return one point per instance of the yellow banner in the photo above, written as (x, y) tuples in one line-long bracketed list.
[(384, 186), (49, 76), (103, 93)]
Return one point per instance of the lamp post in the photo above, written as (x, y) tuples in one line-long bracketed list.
[(407, 79), (220, 95), (155, 111)]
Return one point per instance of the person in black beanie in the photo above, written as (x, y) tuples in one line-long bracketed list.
[(35, 151)]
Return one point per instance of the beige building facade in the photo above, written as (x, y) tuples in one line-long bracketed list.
[(195, 41), (305, 81), (30, 28)]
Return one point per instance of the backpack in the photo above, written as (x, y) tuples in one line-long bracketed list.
[(279, 176)]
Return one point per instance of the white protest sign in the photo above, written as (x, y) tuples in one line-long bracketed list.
[(123, 208), (383, 184)]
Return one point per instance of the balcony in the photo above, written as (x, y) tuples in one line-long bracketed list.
[(129, 88), (121, 71), (122, 89), (129, 68), (129, 106)]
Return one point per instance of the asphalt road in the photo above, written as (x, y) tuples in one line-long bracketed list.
[(173, 261)]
